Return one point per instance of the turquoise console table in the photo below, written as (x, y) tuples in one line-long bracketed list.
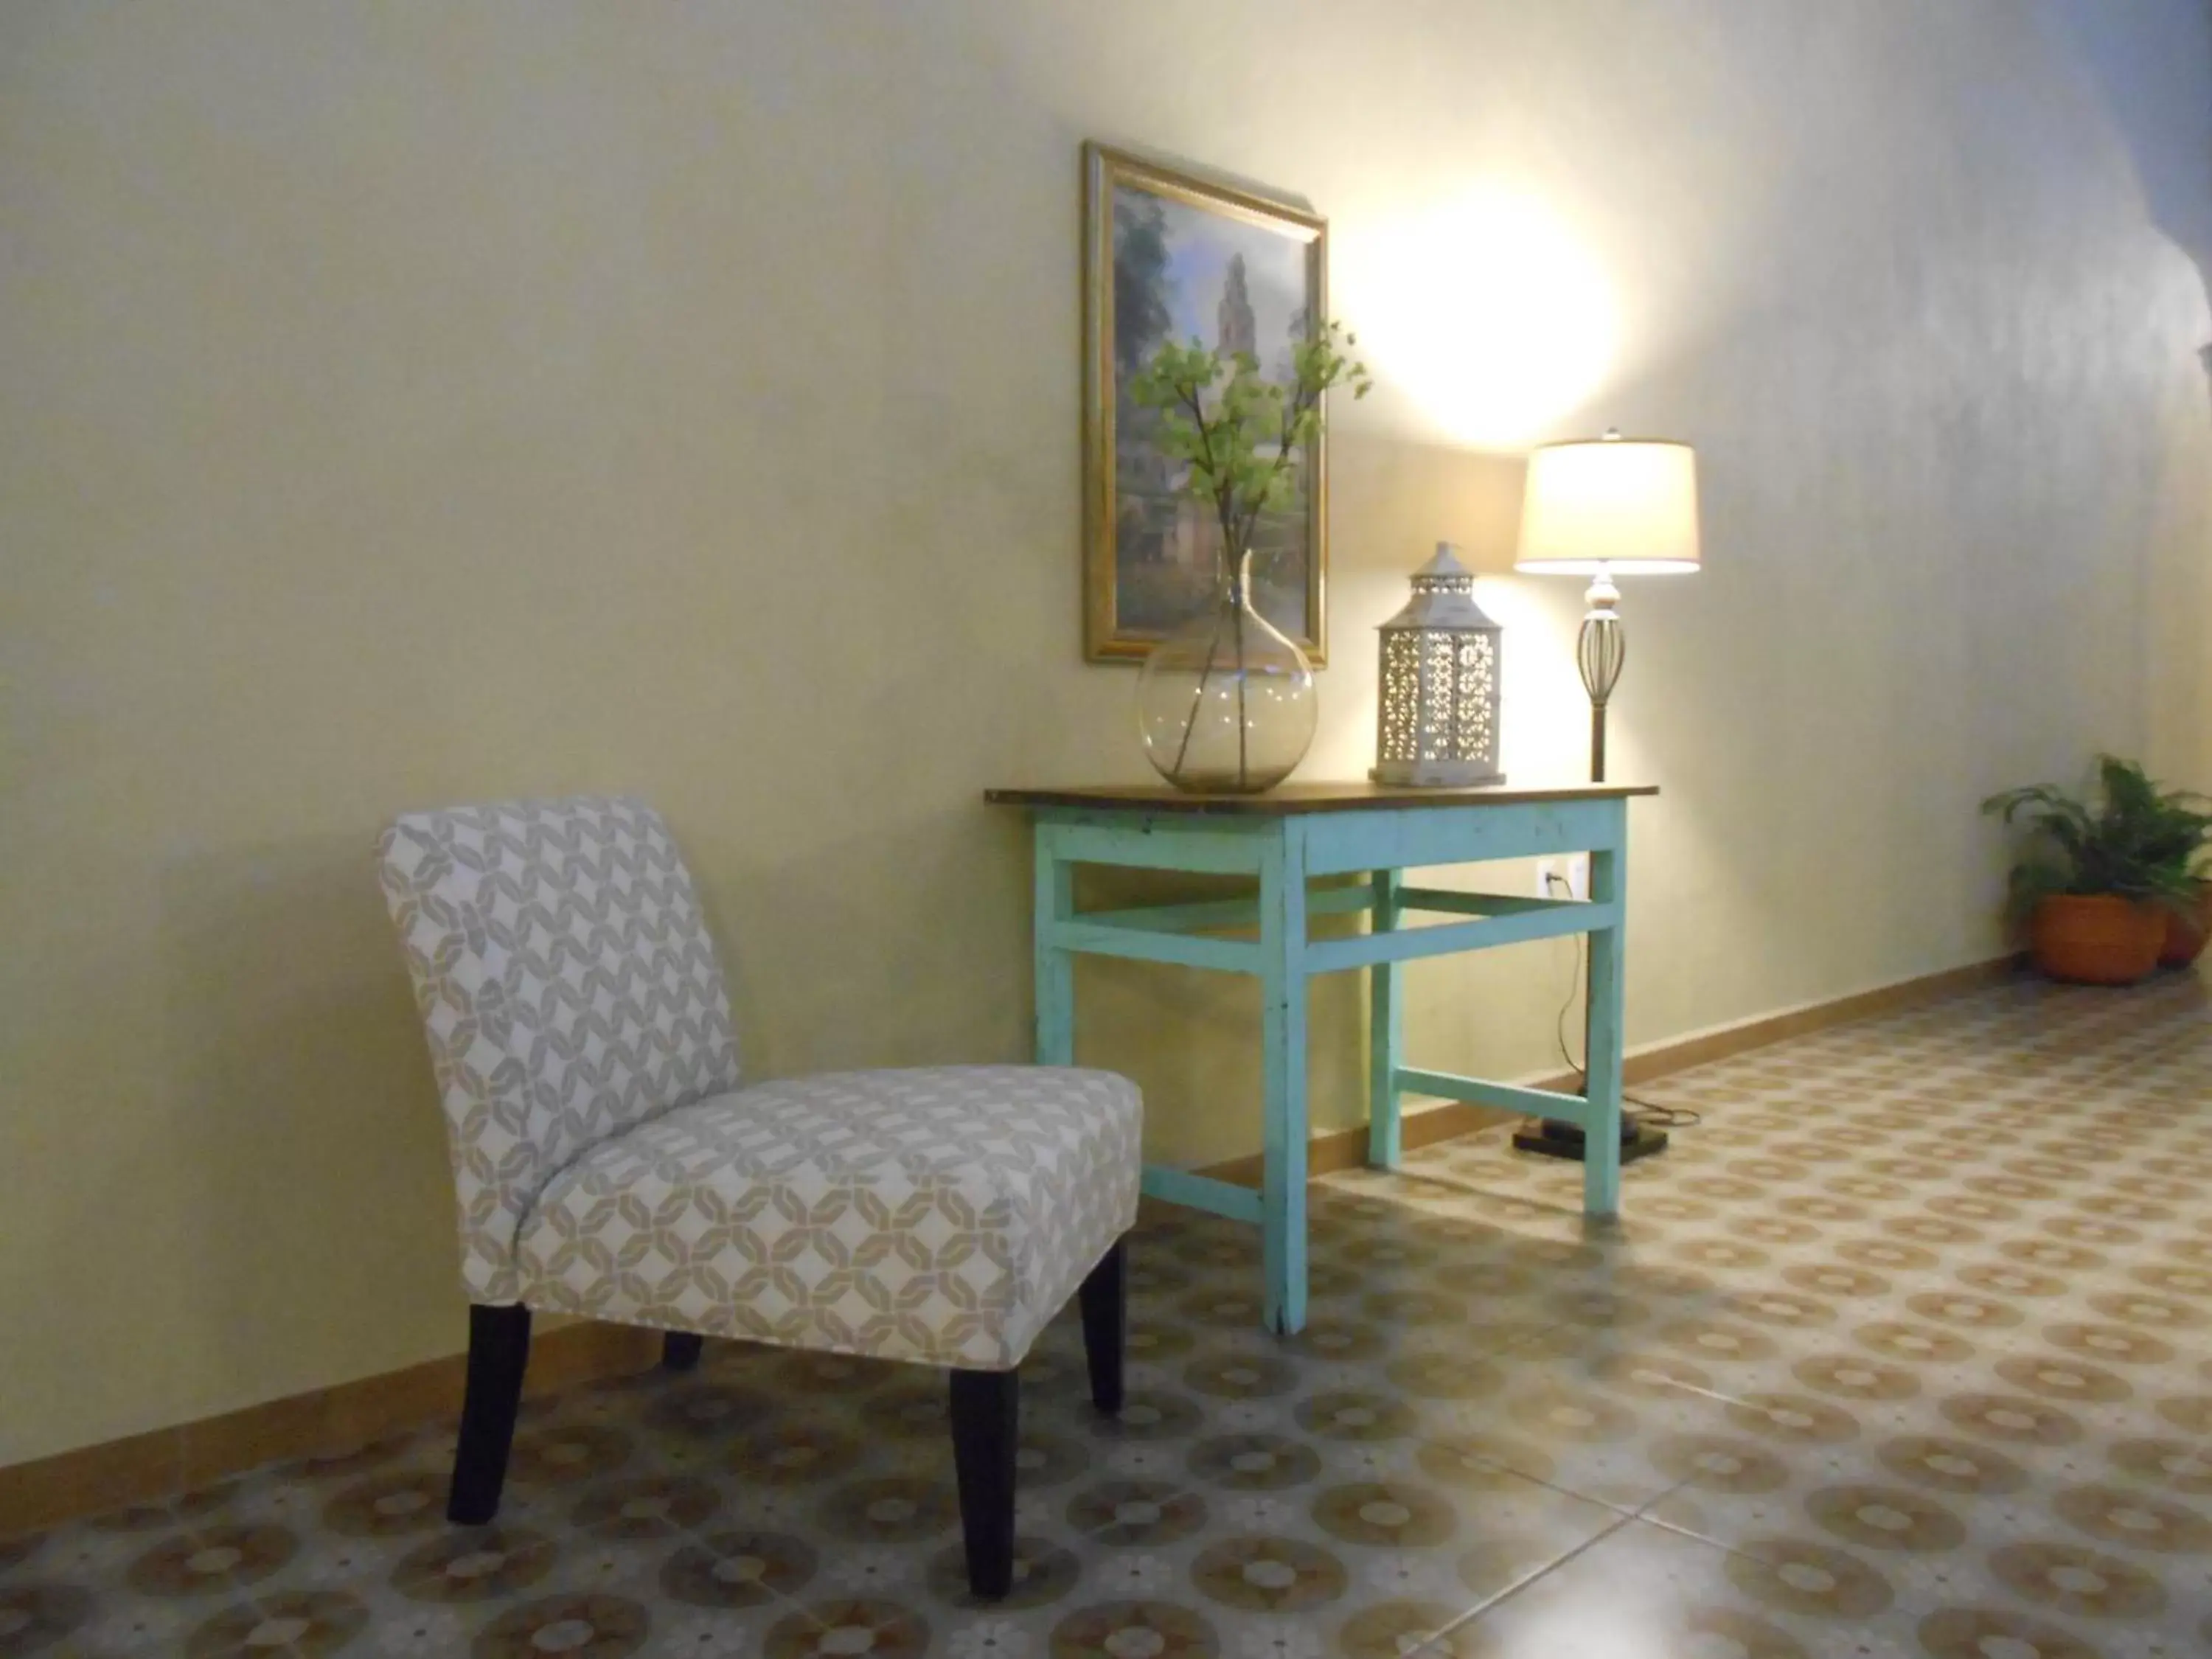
[(1293, 840)]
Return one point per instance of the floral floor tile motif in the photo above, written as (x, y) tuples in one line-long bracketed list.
[(1905, 1349)]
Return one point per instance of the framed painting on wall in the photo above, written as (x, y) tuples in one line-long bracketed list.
[(1168, 256)]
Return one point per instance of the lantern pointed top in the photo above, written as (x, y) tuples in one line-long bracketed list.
[(1445, 562), (1443, 596)]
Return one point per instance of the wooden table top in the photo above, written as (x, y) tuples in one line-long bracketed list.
[(1292, 799)]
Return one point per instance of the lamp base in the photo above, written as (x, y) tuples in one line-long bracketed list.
[(1600, 650), (1555, 1139)]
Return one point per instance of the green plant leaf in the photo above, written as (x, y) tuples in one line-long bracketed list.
[(2125, 835), (1238, 433)]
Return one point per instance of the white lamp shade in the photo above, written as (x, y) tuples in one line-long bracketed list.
[(1625, 505)]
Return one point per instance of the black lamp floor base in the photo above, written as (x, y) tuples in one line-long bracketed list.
[(1553, 1139)]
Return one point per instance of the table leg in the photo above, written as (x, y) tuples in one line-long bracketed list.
[(1606, 1005), (1386, 1030), (1283, 1064), (1054, 968)]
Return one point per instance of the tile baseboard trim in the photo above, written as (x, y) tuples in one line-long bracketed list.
[(151, 1467), (1346, 1149)]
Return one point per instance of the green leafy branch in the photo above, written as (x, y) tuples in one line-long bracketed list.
[(1239, 433)]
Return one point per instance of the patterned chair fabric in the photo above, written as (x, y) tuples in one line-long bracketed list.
[(569, 988), (940, 1215), (608, 1164)]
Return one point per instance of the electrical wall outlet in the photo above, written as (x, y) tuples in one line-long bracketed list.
[(1574, 870)]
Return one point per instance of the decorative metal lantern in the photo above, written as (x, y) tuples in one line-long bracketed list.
[(1438, 721)]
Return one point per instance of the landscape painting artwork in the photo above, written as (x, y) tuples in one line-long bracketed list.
[(1171, 257)]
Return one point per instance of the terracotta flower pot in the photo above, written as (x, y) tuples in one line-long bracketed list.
[(2185, 936), (2096, 939)]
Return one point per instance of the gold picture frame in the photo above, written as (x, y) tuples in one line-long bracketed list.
[(1178, 241)]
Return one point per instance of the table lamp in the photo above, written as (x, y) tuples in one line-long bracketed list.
[(1605, 507)]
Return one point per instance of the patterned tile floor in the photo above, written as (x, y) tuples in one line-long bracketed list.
[(1907, 1350)]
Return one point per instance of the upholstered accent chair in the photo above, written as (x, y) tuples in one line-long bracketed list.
[(610, 1162)]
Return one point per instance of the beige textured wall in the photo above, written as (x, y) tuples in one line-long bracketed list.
[(406, 404)]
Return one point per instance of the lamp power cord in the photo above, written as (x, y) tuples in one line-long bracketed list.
[(1658, 1116)]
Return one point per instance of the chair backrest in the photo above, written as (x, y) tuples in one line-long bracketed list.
[(568, 987)]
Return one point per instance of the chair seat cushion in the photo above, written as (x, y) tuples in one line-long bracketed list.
[(940, 1215)]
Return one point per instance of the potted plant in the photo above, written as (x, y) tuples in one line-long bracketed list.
[(2187, 817), (2098, 877)]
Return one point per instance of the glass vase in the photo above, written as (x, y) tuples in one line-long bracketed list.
[(1226, 703)]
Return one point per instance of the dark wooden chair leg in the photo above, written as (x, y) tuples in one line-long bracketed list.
[(499, 1349), (985, 1430), (1105, 1297), (679, 1351)]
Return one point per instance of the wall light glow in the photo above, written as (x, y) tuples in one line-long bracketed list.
[(1485, 311)]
